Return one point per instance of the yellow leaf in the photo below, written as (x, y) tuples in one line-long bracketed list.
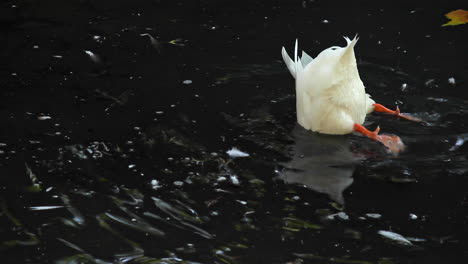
[(457, 17)]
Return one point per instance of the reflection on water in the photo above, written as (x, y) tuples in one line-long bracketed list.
[(323, 163)]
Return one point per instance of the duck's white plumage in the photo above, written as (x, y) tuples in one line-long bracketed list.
[(330, 96)]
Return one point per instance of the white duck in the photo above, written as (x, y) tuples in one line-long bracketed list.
[(330, 96)]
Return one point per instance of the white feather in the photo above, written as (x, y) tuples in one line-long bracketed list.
[(289, 63), (330, 96), (305, 59)]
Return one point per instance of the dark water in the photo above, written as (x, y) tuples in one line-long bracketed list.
[(116, 118)]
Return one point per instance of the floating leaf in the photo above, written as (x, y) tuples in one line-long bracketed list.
[(457, 17), (36, 184), (177, 42), (294, 224), (30, 240)]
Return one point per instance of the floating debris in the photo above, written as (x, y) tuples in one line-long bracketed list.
[(155, 184), (374, 216), (416, 239), (221, 179), (178, 183), (95, 58), (41, 208), (234, 179), (340, 215), (187, 82), (404, 86), (451, 80), (295, 224), (154, 42), (36, 184), (99, 39), (44, 117), (457, 17), (394, 237), (177, 42), (236, 153), (78, 217), (439, 100), (429, 82), (460, 142)]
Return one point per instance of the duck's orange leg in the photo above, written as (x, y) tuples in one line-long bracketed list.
[(392, 142), (383, 109)]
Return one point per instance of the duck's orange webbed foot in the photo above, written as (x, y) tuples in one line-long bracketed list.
[(392, 142), (383, 109)]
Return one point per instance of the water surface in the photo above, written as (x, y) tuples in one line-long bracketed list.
[(117, 118)]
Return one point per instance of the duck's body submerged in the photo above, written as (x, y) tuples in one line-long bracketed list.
[(330, 96)]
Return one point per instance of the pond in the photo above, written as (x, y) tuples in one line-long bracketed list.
[(165, 132)]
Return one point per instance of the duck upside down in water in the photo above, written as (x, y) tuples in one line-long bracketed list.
[(330, 96)]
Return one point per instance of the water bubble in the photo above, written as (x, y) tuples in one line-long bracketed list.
[(187, 82)]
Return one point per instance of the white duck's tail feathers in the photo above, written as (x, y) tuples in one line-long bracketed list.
[(305, 59), (299, 63), (289, 63), (355, 39)]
